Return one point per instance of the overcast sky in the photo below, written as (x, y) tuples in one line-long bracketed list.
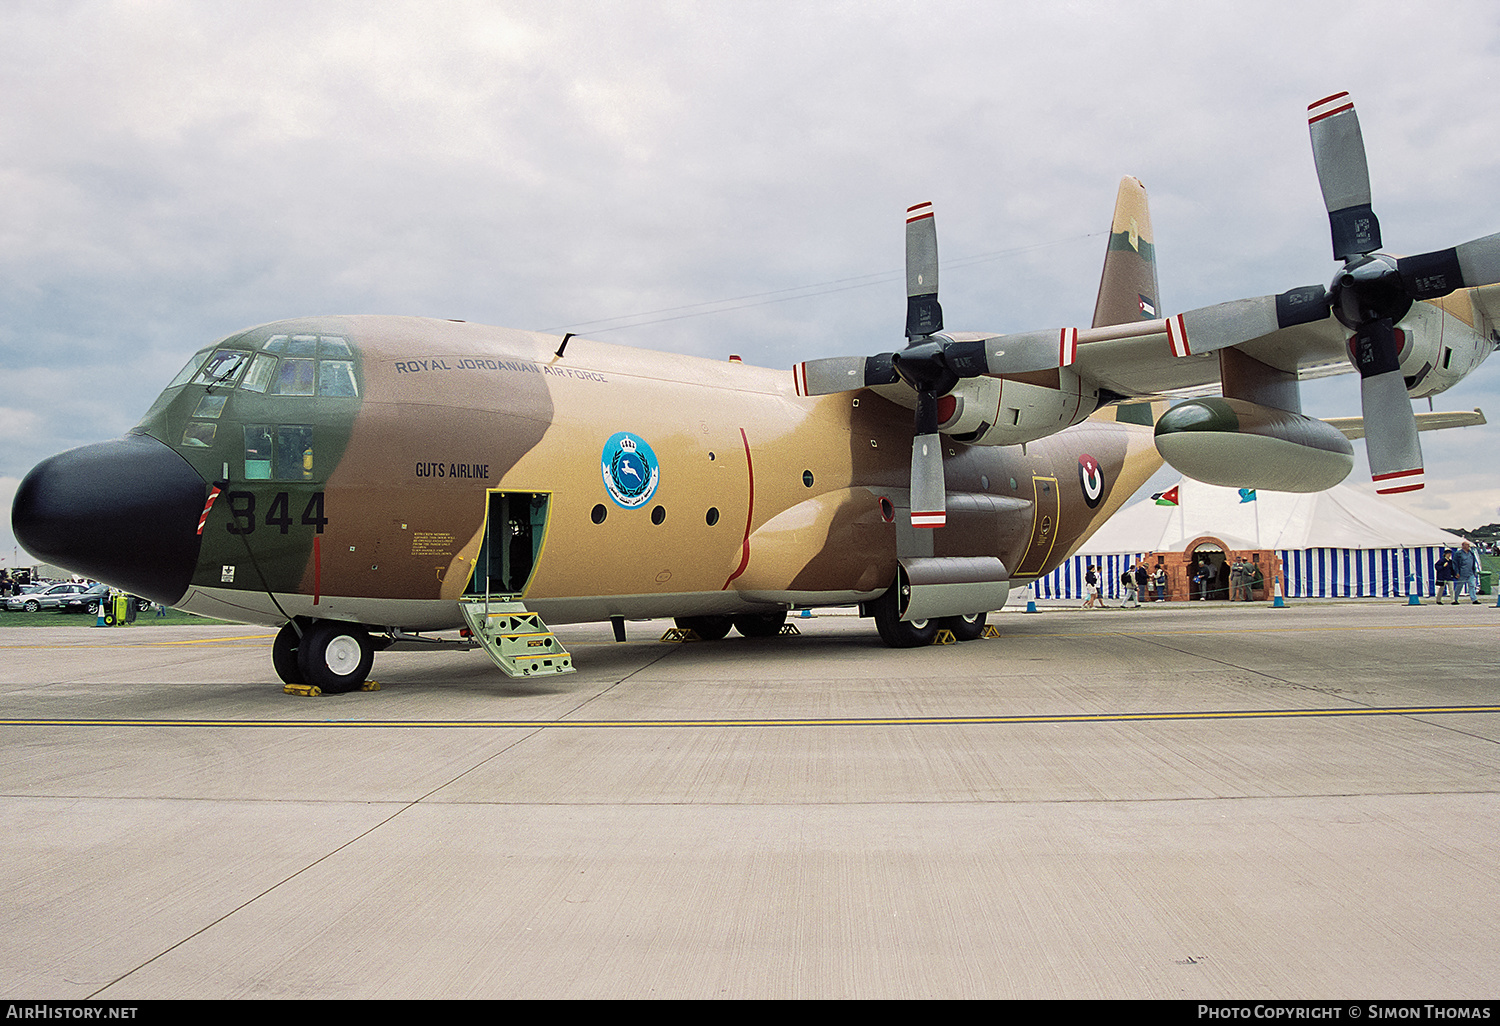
[(173, 171)]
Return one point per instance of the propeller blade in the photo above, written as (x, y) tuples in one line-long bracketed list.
[(929, 492), (1429, 275), (1029, 351), (1391, 443), (844, 374), (1209, 328), (923, 314), (1339, 154)]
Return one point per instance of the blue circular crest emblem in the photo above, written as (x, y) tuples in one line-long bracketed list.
[(630, 470)]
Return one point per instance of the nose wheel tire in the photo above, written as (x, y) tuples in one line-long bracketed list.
[(335, 657), (284, 655)]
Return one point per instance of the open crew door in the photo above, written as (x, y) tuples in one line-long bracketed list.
[(515, 638)]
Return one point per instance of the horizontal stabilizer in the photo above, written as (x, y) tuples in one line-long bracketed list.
[(1354, 427)]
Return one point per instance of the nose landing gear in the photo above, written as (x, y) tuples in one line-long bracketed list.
[(330, 655)]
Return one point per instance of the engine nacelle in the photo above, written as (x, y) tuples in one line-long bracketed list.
[(1437, 349), (1009, 411), (1240, 444)]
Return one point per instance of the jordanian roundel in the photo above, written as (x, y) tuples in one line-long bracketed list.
[(1092, 480)]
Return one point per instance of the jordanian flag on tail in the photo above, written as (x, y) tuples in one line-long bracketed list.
[(1166, 498)]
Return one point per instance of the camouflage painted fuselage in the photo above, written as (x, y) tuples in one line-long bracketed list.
[(366, 501)]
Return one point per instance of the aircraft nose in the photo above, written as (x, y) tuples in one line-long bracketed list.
[(124, 512)]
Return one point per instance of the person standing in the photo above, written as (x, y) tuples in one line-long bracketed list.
[(1142, 580), (1127, 581), (1239, 581), (1465, 574), (1444, 574), (1161, 583)]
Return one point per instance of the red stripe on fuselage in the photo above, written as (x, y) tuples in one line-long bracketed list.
[(749, 515)]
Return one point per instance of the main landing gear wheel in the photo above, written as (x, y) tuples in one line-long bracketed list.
[(964, 628), (284, 655), (335, 657), (899, 633), (760, 625), (709, 628)]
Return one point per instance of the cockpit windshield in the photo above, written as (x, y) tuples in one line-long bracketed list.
[(289, 365)]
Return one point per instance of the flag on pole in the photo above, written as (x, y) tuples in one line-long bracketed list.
[(1247, 495), (1166, 498)]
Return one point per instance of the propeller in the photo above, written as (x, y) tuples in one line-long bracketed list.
[(933, 363), (1374, 291), (1368, 296), (925, 367)]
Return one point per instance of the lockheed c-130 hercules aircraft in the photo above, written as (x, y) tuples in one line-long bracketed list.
[(360, 480)]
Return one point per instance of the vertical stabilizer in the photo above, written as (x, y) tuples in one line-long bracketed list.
[(1128, 289)]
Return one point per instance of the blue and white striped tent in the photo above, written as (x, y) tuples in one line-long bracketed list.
[(1340, 543)]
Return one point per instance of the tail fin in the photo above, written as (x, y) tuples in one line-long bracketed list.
[(1128, 288)]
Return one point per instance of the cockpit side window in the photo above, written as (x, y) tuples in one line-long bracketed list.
[(336, 377), (279, 452)]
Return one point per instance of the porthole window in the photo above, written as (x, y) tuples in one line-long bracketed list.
[(887, 511), (599, 513), (713, 516), (658, 514), (807, 478)]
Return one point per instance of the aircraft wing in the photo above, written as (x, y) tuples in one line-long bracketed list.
[(1486, 302), (1354, 427), (1138, 359)]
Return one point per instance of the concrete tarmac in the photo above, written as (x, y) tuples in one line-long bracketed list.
[(1206, 802)]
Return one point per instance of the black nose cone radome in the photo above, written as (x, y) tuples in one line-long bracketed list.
[(123, 512)]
